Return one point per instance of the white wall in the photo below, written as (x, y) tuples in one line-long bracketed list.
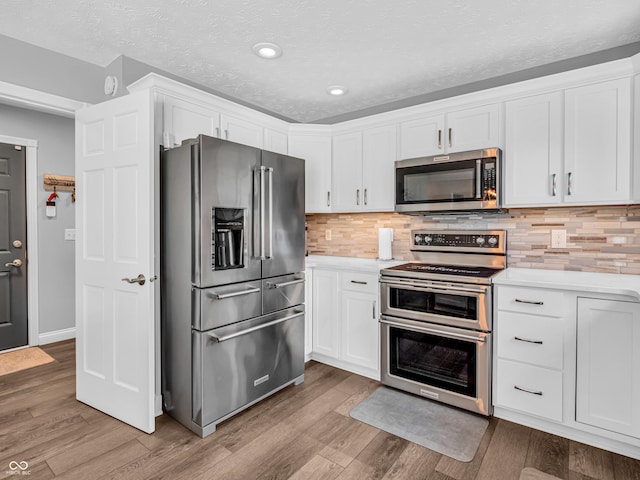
[(56, 257)]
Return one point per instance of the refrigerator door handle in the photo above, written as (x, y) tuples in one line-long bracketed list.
[(265, 251), (269, 248), (224, 338)]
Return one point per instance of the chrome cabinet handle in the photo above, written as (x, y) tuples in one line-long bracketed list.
[(374, 310), (226, 134), (526, 390), (450, 137), (222, 296), (439, 138), (537, 342), (554, 186), (218, 132), (285, 284), (358, 282), (139, 280), (530, 302), (358, 196), (17, 263), (569, 183), (365, 196), (328, 199)]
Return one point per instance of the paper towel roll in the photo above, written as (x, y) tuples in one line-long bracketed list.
[(385, 237)]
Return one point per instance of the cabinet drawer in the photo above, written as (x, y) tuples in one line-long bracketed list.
[(359, 282), (530, 339), (530, 300), (543, 395)]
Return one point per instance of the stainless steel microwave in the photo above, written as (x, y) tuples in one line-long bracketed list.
[(459, 182)]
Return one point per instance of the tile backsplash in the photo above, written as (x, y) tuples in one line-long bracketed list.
[(599, 239)]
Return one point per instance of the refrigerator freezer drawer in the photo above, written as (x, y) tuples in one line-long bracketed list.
[(235, 366), (218, 306), (282, 292)]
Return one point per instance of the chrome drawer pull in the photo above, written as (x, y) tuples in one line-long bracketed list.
[(285, 284), (537, 342), (529, 302), (222, 296), (358, 282), (219, 339), (532, 392)]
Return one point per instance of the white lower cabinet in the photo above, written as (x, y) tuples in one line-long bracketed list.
[(345, 324), (608, 365), (529, 332), (566, 362), (325, 313)]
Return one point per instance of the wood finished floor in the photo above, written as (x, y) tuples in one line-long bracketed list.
[(301, 433)]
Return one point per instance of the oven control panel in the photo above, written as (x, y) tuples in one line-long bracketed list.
[(458, 240)]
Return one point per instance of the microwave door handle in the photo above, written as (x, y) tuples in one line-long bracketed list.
[(478, 178)]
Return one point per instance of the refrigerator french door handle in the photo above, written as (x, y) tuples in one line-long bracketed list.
[(269, 248), (265, 251)]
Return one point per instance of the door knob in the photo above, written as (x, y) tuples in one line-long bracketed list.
[(16, 263), (139, 279)]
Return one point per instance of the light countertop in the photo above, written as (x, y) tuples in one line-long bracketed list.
[(350, 263), (603, 283)]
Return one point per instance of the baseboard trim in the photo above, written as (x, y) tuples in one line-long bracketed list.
[(56, 336)]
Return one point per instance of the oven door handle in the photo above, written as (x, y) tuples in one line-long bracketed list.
[(432, 288), (456, 336)]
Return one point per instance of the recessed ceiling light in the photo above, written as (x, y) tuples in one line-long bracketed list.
[(336, 90), (267, 50)]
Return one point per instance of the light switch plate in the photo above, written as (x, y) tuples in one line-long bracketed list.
[(70, 234)]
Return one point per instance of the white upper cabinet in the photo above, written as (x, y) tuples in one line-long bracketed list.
[(275, 141), (183, 120), (473, 128), (456, 131), (533, 151), (421, 137), (316, 151), (598, 143), (241, 131), (379, 150), (347, 173), (363, 170)]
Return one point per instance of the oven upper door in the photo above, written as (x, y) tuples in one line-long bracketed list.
[(461, 305), (461, 181)]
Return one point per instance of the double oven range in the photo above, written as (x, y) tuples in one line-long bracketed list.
[(436, 317)]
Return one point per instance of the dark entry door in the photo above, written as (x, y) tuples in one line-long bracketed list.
[(13, 247)]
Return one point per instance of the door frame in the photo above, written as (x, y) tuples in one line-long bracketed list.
[(31, 99)]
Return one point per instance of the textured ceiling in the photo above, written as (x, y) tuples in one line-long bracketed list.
[(383, 51)]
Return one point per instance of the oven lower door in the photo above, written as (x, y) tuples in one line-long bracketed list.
[(447, 364)]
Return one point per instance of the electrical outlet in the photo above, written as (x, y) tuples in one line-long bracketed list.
[(327, 234), (70, 234), (558, 239)]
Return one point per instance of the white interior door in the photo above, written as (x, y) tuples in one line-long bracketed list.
[(114, 223)]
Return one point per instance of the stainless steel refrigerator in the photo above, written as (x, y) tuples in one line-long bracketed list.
[(232, 243)]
